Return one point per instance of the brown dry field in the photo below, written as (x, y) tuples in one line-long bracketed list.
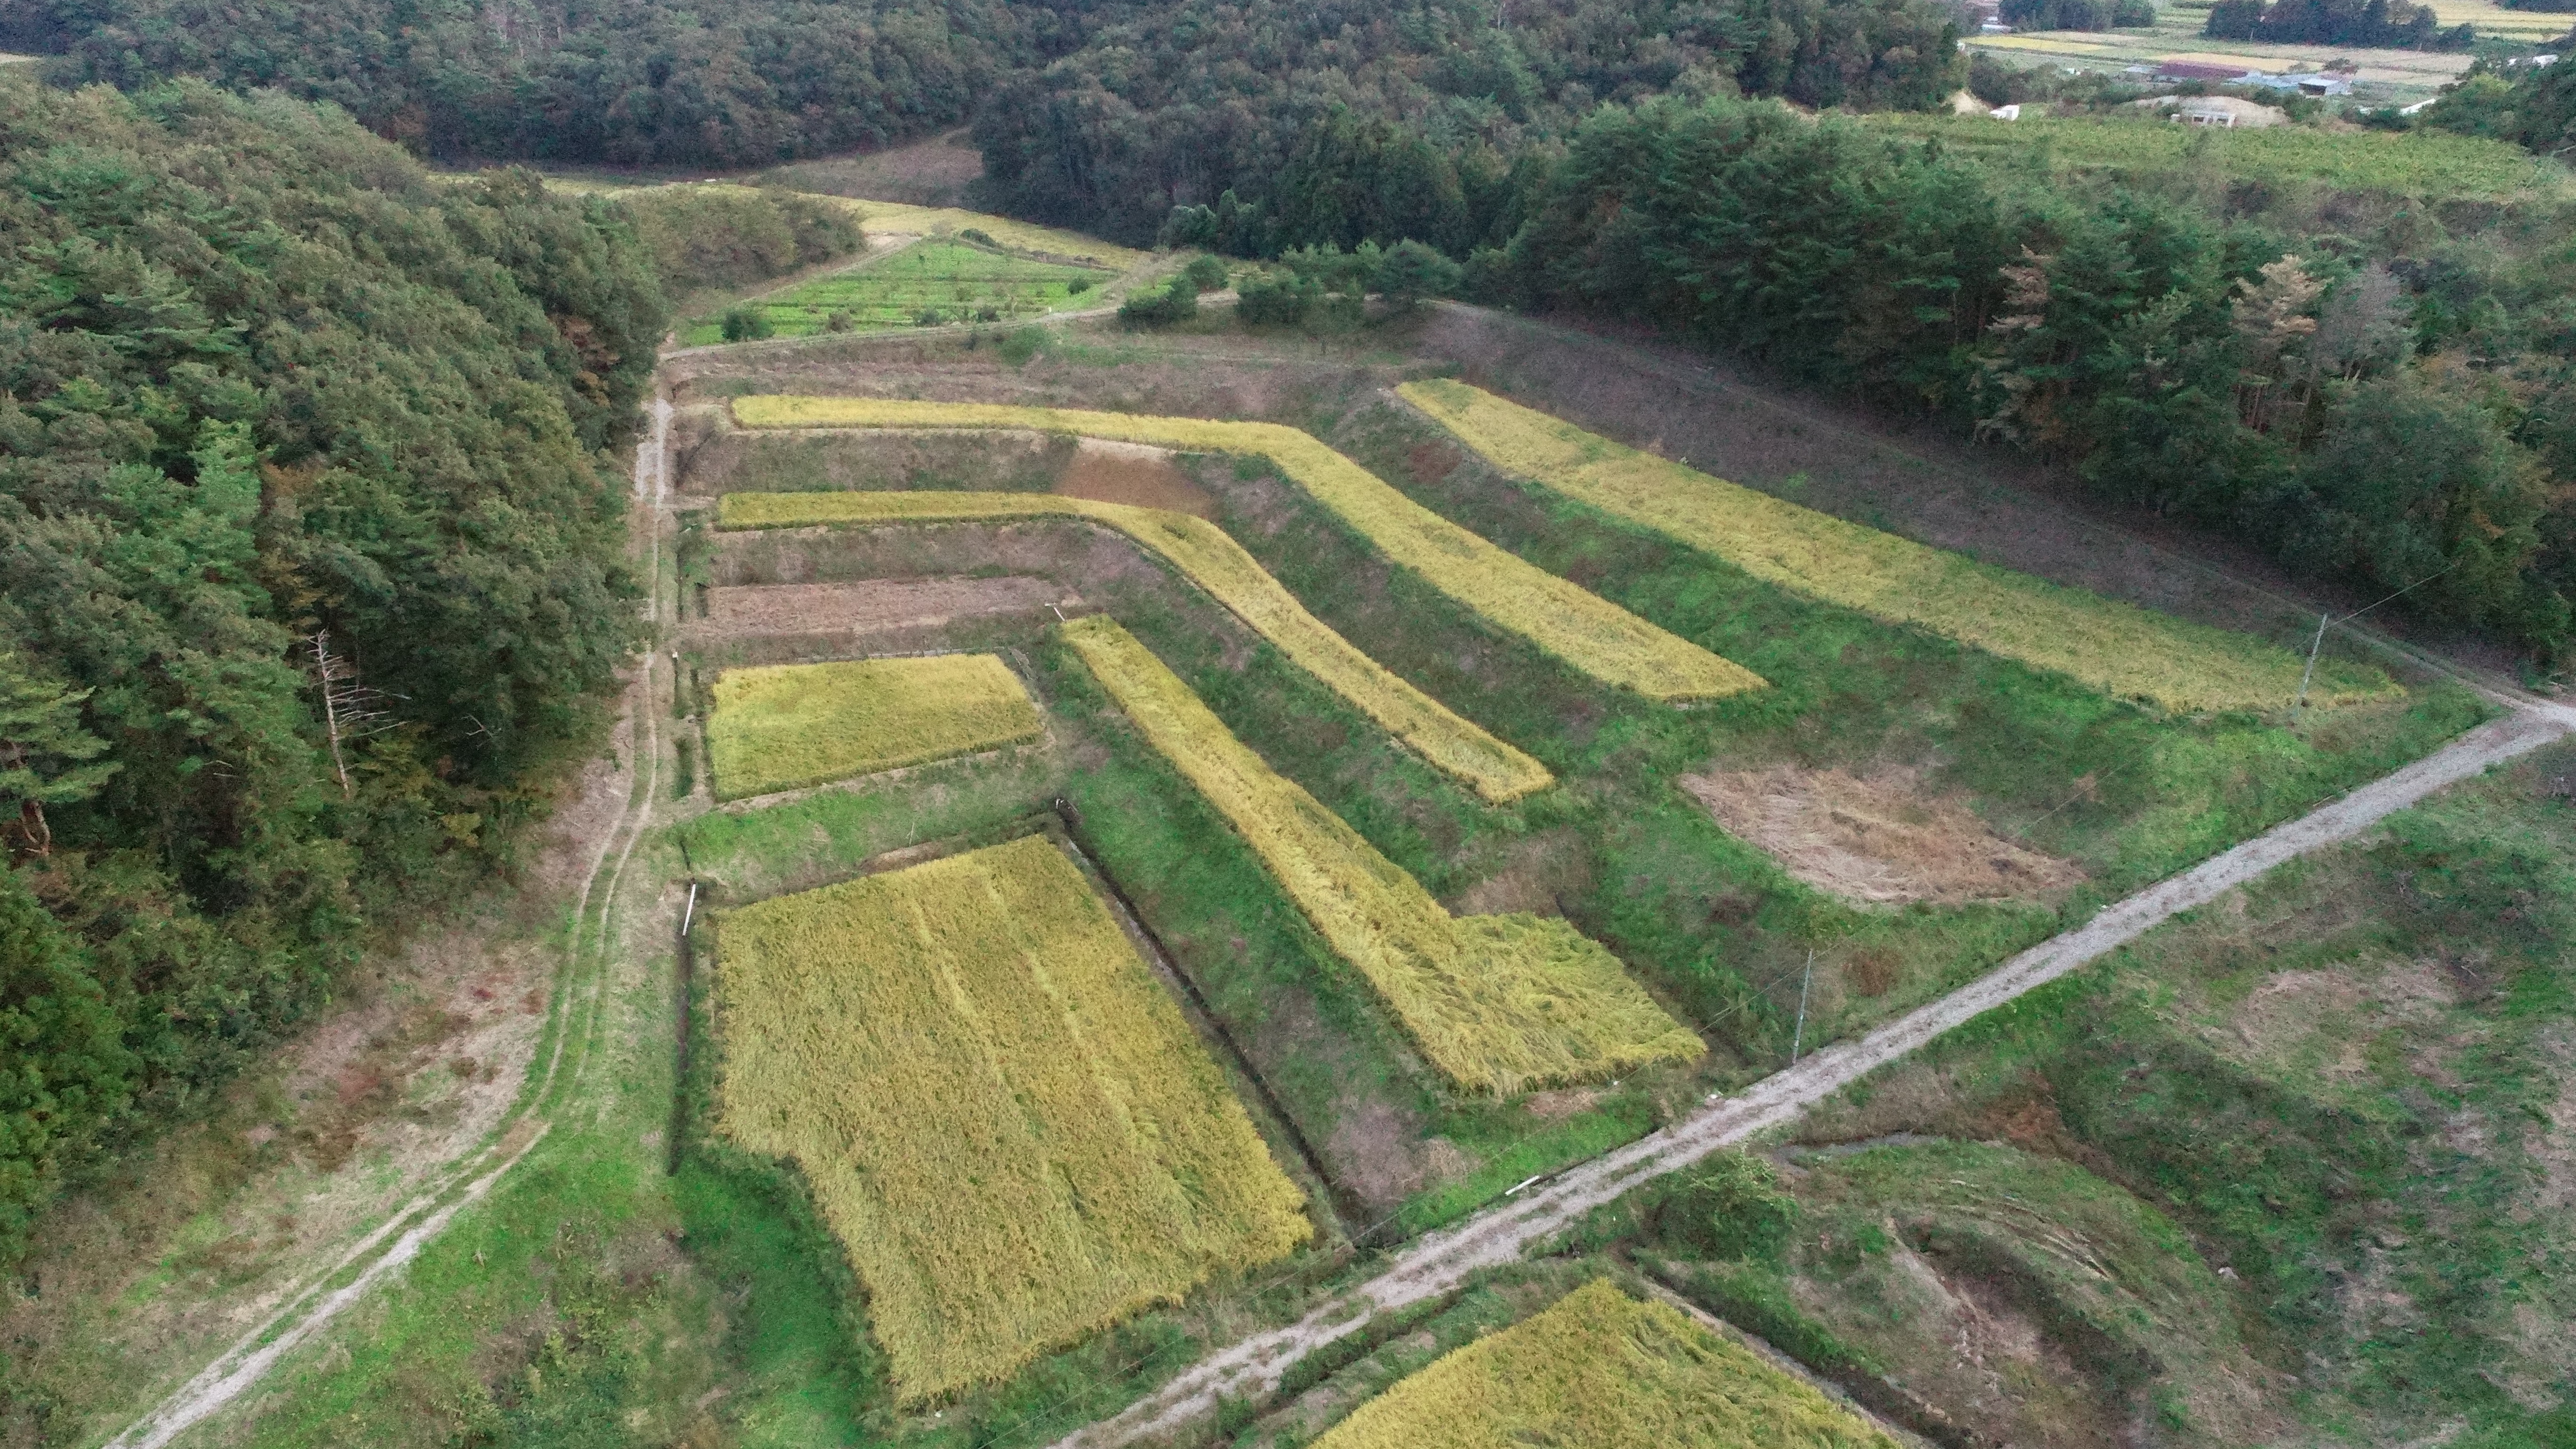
[(1878, 838), (873, 605), (1105, 471), (931, 172)]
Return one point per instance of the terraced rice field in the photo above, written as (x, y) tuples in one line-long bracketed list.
[(1003, 1117), (1604, 1371), (2118, 648), (930, 282), (1574, 625), (1207, 557), (787, 726), (1495, 1003), (1045, 242)]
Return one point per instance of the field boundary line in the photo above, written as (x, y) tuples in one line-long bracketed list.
[(1442, 1261)]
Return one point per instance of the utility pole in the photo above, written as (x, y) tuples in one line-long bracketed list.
[(1798, 1037), (2311, 672)]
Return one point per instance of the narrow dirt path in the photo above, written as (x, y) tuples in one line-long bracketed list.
[(1442, 1261), (575, 1012)]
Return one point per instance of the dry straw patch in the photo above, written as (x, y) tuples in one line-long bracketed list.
[(1877, 838), (2115, 647), (787, 726), (1569, 622), (1206, 556), (1496, 1003), (1605, 1371), (1005, 1120)]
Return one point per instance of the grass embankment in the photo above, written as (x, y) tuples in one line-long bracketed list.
[(1606, 1371), (785, 726), (1496, 1003), (2435, 165), (1010, 1127), (1208, 557), (1602, 640), (926, 284), (2115, 647), (2353, 1083)]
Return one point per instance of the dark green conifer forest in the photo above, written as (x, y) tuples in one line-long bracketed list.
[(279, 416)]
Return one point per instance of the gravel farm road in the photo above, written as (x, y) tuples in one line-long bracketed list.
[(1442, 1261)]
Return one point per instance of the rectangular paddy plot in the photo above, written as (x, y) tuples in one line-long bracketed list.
[(2115, 647), (1207, 557), (1560, 617), (786, 726), (1605, 1371), (932, 281), (1495, 1003), (1004, 1118)]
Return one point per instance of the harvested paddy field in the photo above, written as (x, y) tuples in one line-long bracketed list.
[(1497, 1003), (787, 726), (1008, 1125), (871, 605), (1603, 1370), (1568, 621), (2117, 648), (1879, 838)]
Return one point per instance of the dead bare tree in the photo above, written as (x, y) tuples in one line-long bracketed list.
[(349, 708)]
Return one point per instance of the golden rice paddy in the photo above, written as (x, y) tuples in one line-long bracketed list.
[(1495, 1003), (1004, 1119), (791, 725), (1565, 620), (2115, 647)]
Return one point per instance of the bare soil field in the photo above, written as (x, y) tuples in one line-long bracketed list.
[(934, 171), (873, 605), (1879, 837), (1107, 471)]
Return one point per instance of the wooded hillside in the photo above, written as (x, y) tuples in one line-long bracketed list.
[(287, 430)]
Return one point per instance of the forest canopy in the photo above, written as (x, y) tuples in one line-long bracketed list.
[(279, 416)]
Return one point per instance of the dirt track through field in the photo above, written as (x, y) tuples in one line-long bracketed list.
[(576, 1006), (1442, 1261)]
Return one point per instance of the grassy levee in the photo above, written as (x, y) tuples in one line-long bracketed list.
[(2115, 647), (1208, 557), (1496, 1003), (1606, 1371), (784, 726), (1008, 1124), (1566, 620)]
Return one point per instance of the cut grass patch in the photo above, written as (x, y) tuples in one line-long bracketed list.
[(787, 726), (1560, 617), (1208, 557), (1606, 1371), (925, 284), (1496, 1003), (2118, 648), (1009, 1126)]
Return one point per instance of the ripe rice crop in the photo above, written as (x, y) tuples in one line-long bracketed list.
[(790, 725), (1606, 1371), (1567, 621), (2111, 646), (1496, 1003), (1004, 1118), (1207, 557)]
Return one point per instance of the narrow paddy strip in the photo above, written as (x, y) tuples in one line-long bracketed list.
[(1495, 1003), (2115, 647), (1206, 556), (1567, 621)]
